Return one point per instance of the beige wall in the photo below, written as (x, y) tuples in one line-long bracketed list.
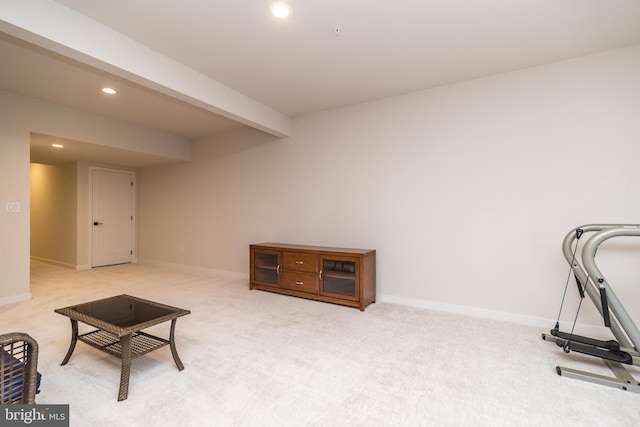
[(14, 227), (19, 116), (466, 191), (61, 213), (54, 194)]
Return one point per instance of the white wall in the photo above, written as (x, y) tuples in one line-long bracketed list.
[(465, 191)]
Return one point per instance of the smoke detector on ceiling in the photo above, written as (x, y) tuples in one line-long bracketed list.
[(337, 30)]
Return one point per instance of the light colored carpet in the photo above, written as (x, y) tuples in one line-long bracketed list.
[(254, 358)]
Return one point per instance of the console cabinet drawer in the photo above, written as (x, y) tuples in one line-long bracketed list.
[(300, 261), (303, 282)]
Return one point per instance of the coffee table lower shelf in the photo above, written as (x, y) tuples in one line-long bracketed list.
[(141, 342)]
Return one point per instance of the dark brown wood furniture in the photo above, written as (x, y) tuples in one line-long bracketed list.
[(120, 320), (337, 275)]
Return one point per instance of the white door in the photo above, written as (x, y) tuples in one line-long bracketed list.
[(112, 236)]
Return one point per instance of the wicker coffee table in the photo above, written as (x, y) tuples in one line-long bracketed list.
[(120, 320)]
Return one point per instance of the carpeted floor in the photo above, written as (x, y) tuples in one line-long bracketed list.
[(253, 358)]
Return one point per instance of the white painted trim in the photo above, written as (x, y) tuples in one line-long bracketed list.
[(545, 325), (13, 299), (230, 274), (54, 262)]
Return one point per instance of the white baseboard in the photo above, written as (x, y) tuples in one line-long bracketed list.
[(227, 273), (78, 267), (54, 262), (544, 324), (15, 299)]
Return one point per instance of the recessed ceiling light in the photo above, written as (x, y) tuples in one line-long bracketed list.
[(57, 145), (280, 10), (109, 90)]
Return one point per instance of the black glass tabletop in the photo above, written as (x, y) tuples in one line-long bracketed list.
[(123, 312)]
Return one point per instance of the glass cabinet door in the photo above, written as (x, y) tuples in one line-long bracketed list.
[(339, 277), (265, 267)]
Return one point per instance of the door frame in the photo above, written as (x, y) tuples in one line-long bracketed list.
[(134, 228)]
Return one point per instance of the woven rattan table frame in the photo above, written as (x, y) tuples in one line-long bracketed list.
[(124, 342)]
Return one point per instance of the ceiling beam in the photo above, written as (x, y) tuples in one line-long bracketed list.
[(54, 27)]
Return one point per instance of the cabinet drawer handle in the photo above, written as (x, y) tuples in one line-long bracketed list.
[(278, 269), (320, 274), (299, 262), (299, 283)]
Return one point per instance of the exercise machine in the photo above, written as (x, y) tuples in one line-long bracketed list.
[(615, 353)]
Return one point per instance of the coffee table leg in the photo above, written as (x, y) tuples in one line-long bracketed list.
[(74, 340), (125, 344), (172, 344)]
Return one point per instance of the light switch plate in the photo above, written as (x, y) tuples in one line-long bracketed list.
[(13, 207)]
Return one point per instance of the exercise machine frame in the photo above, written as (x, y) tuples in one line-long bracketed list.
[(590, 280)]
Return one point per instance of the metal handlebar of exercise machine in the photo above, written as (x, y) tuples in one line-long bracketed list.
[(589, 279)]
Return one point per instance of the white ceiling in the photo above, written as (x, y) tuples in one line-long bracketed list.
[(299, 66), (33, 71), (43, 152)]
